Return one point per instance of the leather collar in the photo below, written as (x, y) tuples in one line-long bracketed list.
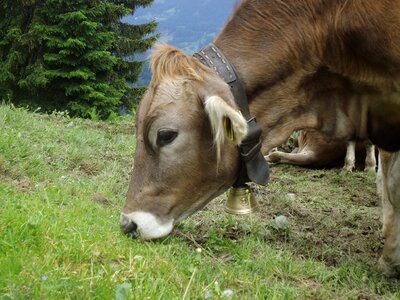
[(254, 167)]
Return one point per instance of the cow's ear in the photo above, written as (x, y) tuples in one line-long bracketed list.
[(226, 122)]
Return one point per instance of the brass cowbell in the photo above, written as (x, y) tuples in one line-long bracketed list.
[(241, 201)]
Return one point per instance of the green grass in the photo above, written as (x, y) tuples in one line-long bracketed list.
[(62, 185)]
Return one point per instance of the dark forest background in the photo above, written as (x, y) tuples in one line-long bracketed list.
[(89, 57)]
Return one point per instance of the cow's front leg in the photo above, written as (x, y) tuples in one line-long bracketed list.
[(389, 263), (350, 159)]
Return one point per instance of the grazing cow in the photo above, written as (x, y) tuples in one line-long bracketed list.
[(296, 61), (315, 149)]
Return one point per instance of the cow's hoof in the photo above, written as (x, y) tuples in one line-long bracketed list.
[(388, 269), (274, 157), (348, 168), (370, 169)]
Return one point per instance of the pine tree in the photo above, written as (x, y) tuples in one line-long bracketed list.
[(131, 39), (71, 54)]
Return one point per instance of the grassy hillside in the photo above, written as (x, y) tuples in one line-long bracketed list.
[(63, 182)]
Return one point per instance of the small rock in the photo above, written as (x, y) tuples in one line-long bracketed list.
[(291, 196), (227, 294), (281, 221)]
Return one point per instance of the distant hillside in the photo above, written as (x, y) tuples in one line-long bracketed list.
[(188, 25)]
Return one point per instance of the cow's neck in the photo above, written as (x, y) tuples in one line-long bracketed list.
[(267, 42), (266, 58), (276, 53)]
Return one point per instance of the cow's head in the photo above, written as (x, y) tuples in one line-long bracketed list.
[(183, 158)]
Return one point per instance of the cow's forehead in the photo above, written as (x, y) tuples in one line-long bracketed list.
[(167, 93), (175, 89)]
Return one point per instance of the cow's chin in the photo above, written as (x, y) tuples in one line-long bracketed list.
[(200, 204)]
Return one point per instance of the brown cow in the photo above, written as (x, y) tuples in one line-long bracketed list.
[(289, 56), (316, 149)]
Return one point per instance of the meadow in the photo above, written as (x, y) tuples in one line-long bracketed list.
[(63, 183)]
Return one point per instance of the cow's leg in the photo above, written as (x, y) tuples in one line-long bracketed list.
[(350, 159), (278, 137), (389, 263), (370, 160), (378, 180), (273, 150), (300, 159)]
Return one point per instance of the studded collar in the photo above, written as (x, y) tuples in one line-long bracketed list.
[(254, 166)]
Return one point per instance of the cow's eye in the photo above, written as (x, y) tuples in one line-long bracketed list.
[(165, 137)]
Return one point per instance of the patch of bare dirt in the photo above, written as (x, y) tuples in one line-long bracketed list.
[(332, 217), (101, 199)]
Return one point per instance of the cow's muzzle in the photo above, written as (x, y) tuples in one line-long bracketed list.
[(145, 225)]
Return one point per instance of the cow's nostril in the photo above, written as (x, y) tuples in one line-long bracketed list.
[(127, 225), (130, 228)]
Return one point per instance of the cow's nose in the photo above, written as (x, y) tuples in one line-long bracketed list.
[(127, 225)]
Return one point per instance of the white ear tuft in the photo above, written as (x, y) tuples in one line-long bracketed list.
[(220, 112)]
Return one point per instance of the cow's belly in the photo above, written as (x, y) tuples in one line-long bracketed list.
[(384, 122)]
